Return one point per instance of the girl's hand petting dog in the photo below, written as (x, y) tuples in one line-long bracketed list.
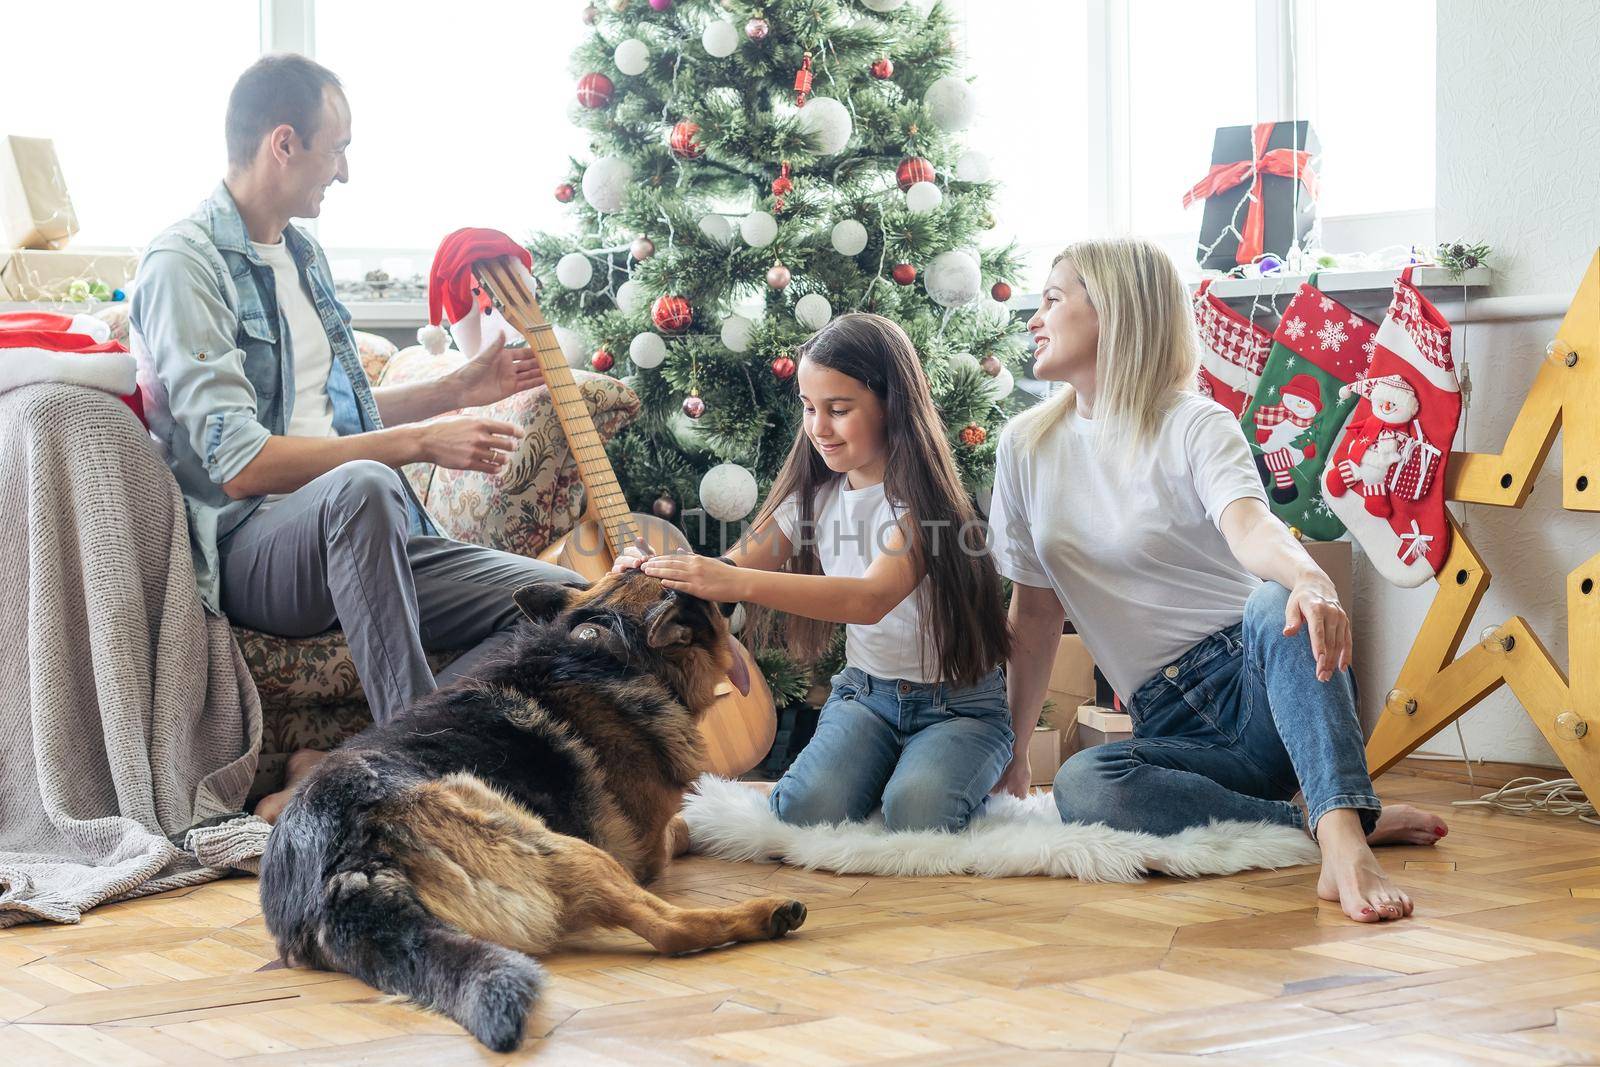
[(629, 559), (700, 576)]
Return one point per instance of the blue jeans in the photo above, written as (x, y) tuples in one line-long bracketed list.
[(928, 753), (1230, 731)]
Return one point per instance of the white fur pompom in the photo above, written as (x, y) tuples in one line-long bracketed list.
[(433, 338)]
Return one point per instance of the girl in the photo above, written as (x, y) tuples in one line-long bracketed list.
[(1132, 504), (868, 525)]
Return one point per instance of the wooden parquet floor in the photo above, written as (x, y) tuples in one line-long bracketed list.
[(1500, 965)]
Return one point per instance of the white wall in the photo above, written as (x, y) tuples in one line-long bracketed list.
[(1518, 99)]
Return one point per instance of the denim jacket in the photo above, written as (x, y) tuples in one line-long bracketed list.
[(216, 368)]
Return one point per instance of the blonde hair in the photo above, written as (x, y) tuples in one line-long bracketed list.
[(1147, 353)]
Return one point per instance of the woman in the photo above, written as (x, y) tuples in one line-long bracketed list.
[(1131, 504)]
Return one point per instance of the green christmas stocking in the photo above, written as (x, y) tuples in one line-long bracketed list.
[(1292, 423)]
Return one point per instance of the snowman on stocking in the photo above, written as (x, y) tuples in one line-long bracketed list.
[(1283, 430), (1385, 478)]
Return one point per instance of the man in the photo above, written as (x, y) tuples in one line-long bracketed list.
[(286, 457)]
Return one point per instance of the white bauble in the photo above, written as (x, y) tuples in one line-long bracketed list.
[(973, 166), (728, 492), (827, 122), (952, 279), (849, 238), (630, 297), (813, 311), (881, 6), (758, 229), (736, 331), (717, 228), (720, 39), (965, 361), (574, 270), (999, 387), (574, 345), (923, 197), (606, 182), (647, 350), (736, 621), (631, 57), (992, 313), (752, 305), (951, 103)]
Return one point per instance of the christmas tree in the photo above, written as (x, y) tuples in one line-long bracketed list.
[(758, 168)]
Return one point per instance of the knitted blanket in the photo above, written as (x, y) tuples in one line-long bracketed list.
[(129, 726)]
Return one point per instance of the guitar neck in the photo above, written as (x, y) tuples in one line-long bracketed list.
[(507, 283)]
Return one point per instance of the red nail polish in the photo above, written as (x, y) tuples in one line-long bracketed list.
[(1366, 911), (1441, 829)]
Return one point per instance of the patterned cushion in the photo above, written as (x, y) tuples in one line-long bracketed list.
[(310, 695), (375, 353)]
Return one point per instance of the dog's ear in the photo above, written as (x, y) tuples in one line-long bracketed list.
[(543, 600), (671, 624)]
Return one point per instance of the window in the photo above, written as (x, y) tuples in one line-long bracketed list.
[(458, 121), (133, 95)]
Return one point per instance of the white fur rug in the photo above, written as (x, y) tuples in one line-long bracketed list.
[(1008, 838)]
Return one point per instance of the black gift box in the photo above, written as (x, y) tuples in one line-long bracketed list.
[(1289, 205)]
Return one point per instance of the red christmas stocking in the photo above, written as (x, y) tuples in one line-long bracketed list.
[(1233, 350), (1385, 480)]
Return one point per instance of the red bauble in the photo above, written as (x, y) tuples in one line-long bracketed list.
[(973, 435), (665, 507), (683, 142), (913, 170), (602, 361), (757, 29), (883, 69), (590, 13), (671, 313), (991, 365), (642, 248), (694, 407), (783, 368), (565, 192), (594, 90), (1001, 292), (903, 273)]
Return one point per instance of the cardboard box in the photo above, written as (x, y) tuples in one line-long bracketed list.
[(1044, 755), (1097, 726), (31, 274), (35, 210), (1071, 683)]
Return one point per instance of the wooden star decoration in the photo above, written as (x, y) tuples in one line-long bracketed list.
[(1435, 685)]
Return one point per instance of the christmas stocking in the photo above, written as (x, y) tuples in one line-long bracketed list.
[(1386, 477), (1232, 351), (1320, 347)]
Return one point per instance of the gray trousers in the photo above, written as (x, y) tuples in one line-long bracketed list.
[(337, 552)]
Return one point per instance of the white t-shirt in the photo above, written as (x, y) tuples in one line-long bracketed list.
[(852, 528), (311, 411), (1134, 554)]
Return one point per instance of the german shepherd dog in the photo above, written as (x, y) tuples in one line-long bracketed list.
[(431, 857)]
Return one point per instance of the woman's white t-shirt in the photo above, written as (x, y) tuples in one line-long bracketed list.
[(852, 528), (1132, 550)]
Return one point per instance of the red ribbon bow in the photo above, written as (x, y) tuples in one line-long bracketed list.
[(1284, 162)]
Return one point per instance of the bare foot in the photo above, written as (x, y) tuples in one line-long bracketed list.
[(1350, 873), (301, 763), (1401, 824)]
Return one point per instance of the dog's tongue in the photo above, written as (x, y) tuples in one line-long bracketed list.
[(738, 673)]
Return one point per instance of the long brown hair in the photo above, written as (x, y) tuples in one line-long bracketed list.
[(960, 601)]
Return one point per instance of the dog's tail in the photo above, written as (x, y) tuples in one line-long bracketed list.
[(369, 922)]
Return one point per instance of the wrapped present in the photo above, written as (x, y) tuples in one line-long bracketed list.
[(1260, 194), (61, 277), (35, 210)]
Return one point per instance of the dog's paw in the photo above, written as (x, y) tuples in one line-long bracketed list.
[(786, 917)]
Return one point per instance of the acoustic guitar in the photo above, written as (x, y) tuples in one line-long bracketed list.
[(740, 725)]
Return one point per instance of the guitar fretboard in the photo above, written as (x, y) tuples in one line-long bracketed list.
[(507, 283)]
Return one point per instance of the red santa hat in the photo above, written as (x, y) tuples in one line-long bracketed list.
[(1306, 388), (55, 322), (454, 296), (31, 356)]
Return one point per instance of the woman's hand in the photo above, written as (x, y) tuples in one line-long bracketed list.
[(1314, 603), (697, 575), (629, 560), (1017, 779)]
